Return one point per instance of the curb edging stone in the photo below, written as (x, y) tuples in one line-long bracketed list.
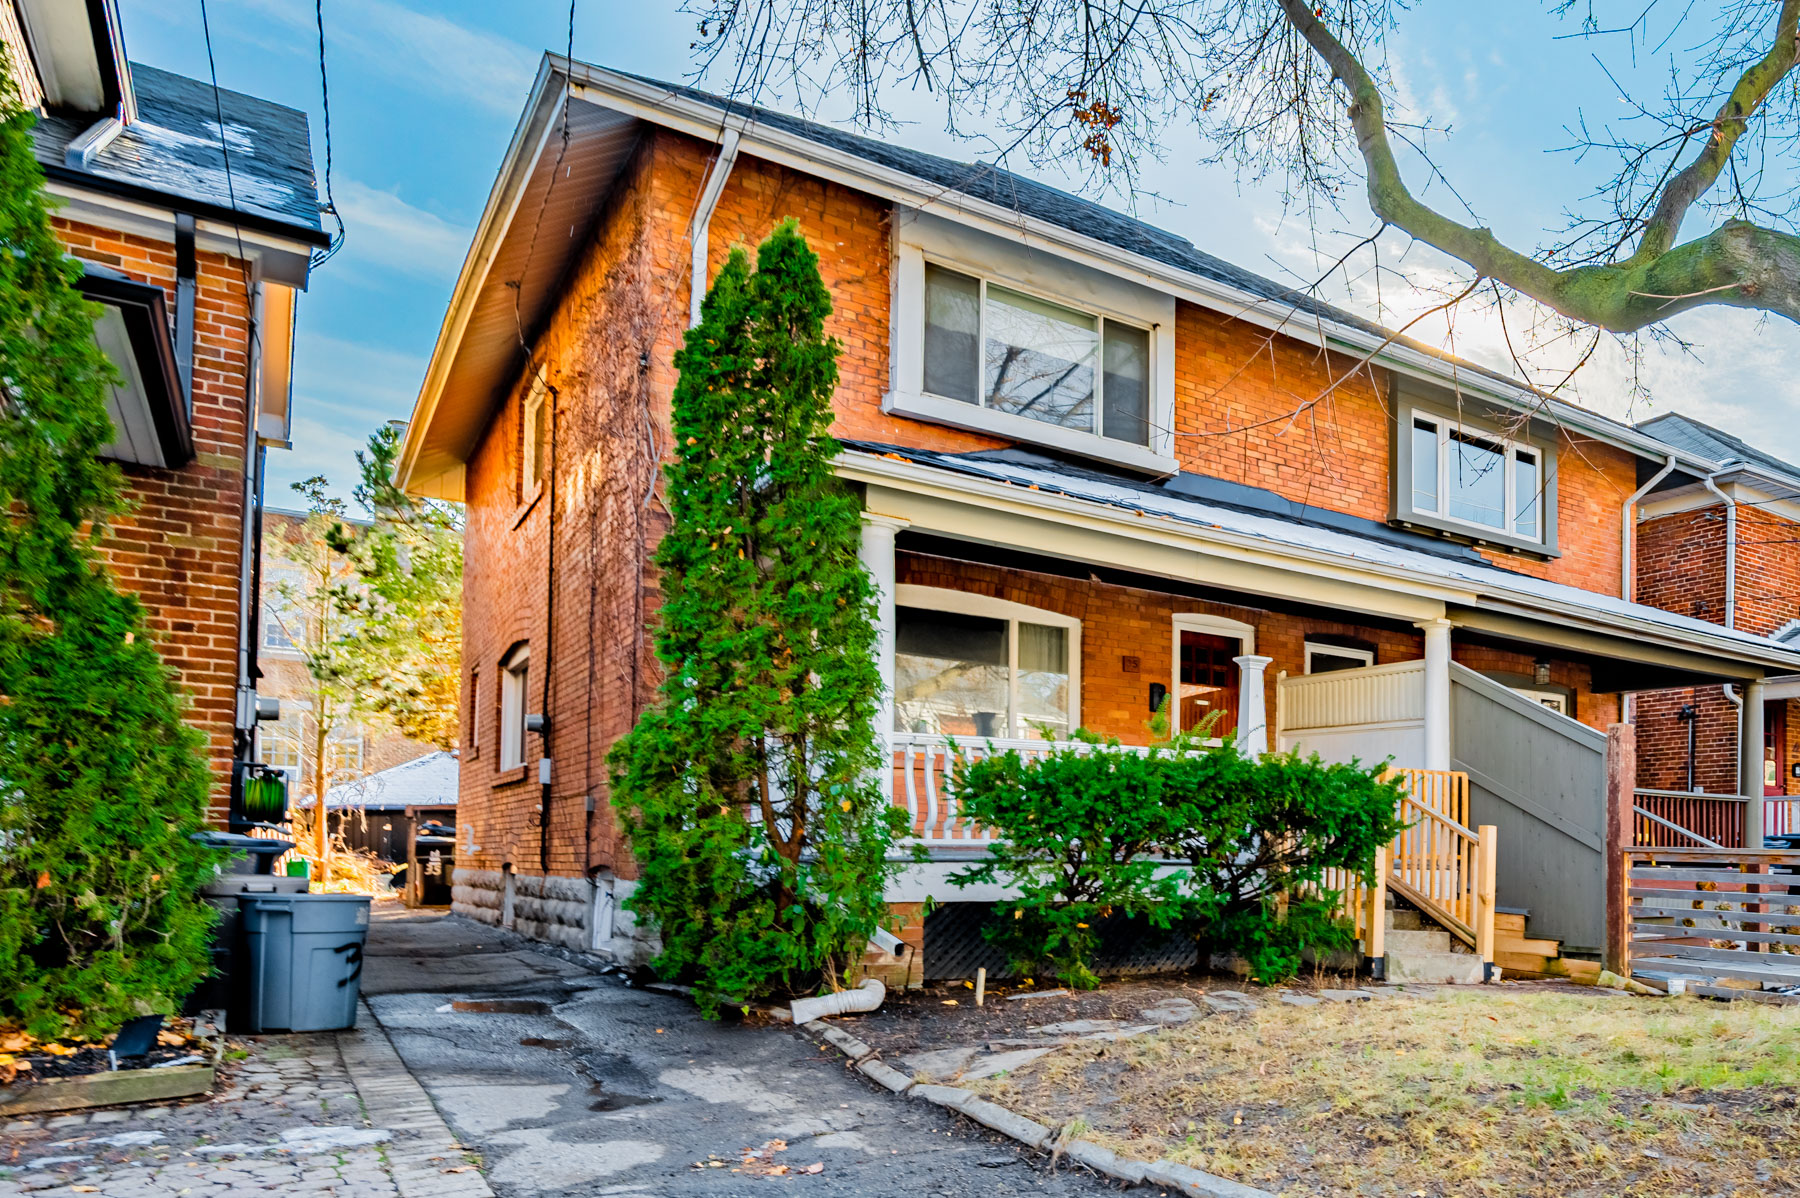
[(1029, 1132)]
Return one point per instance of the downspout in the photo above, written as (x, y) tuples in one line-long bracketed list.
[(1737, 701), (1628, 533), (1628, 558), (186, 294), (710, 190), (1730, 543), (249, 548)]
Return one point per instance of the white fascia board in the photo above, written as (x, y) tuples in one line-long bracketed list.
[(699, 119), (530, 136), (1418, 597), (283, 259), (994, 495)]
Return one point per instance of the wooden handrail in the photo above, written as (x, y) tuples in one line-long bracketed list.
[(1440, 864)]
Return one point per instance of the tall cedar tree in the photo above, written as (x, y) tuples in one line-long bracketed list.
[(750, 791), (101, 783)]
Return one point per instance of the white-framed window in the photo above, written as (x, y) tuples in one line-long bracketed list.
[(282, 619), (279, 742), (535, 435), (1022, 354), (474, 741), (1203, 672), (1555, 700), (515, 676), (976, 667), (1323, 659), (992, 335), (1471, 477), (343, 755)]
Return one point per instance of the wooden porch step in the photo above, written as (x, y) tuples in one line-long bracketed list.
[(1519, 946), (1509, 924)]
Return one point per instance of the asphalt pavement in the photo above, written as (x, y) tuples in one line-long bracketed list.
[(573, 1082)]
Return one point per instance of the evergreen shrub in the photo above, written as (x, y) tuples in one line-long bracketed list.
[(1185, 835), (101, 782), (749, 791)]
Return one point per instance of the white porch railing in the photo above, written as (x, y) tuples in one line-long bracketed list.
[(922, 767)]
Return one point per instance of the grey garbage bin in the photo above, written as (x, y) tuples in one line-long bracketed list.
[(305, 960)]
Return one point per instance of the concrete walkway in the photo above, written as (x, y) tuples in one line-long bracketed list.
[(567, 1081)]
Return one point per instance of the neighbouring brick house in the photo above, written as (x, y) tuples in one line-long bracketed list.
[(1100, 468), (1722, 544), (188, 253), (355, 748)]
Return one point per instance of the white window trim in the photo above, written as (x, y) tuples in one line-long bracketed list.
[(534, 403), (919, 237), (1510, 449), (1538, 696), (515, 678), (1244, 634), (1366, 656), (964, 603)]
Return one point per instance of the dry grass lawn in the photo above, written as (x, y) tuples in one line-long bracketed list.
[(1491, 1092)]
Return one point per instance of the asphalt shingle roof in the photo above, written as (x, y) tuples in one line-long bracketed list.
[(174, 149), (428, 781), (1703, 440)]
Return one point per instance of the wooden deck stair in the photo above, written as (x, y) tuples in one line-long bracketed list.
[(1520, 956)]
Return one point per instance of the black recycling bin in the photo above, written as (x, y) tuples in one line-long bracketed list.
[(434, 857)]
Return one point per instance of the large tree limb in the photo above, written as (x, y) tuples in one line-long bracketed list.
[(1738, 264)]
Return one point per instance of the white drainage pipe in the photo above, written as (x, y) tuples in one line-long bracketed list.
[(865, 997)]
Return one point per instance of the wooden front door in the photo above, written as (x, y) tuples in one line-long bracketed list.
[(1206, 682)]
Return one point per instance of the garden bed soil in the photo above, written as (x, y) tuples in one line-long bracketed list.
[(1518, 1089), (66, 1075)]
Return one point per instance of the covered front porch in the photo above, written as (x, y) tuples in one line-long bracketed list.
[(1014, 611)]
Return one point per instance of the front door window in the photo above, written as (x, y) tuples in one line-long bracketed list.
[(1206, 683)]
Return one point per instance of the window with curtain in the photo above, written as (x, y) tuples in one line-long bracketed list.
[(1012, 352), (963, 674)]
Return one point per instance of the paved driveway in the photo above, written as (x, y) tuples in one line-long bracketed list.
[(569, 1082)]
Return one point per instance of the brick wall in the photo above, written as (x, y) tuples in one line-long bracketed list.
[(177, 547), (1681, 568), (629, 296)]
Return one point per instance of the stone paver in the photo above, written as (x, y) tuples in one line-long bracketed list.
[(300, 1115)]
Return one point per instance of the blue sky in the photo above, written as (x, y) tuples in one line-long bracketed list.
[(424, 98)]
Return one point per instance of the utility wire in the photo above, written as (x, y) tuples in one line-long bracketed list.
[(330, 204)]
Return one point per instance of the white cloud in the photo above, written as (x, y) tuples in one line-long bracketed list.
[(385, 230), (422, 48)]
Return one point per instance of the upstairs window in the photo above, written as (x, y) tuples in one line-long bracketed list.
[(1019, 343), (536, 436), (1016, 353), (1462, 478)]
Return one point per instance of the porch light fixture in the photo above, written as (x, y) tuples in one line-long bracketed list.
[(1540, 672)]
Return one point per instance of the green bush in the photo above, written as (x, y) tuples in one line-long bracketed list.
[(1184, 835), (750, 791), (101, 783)]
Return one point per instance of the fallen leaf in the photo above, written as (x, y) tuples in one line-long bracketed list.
[(815, 1167), (459, 1169), (85, 1189)]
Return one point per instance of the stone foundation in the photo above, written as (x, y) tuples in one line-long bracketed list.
[(573, 913)]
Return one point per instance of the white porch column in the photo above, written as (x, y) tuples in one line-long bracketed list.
[(1253, 720), (1437, 692), (877, 554), (1750, 762)]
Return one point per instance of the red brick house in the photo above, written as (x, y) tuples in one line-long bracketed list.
[(1100, 467), (1723, 545), (197, 258)]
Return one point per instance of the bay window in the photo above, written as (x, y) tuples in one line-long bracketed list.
[(994, 337), (969, 666), (1016, 353), (1462, 478)]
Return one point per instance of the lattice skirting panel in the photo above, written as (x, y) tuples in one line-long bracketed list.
[(955, 946)]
